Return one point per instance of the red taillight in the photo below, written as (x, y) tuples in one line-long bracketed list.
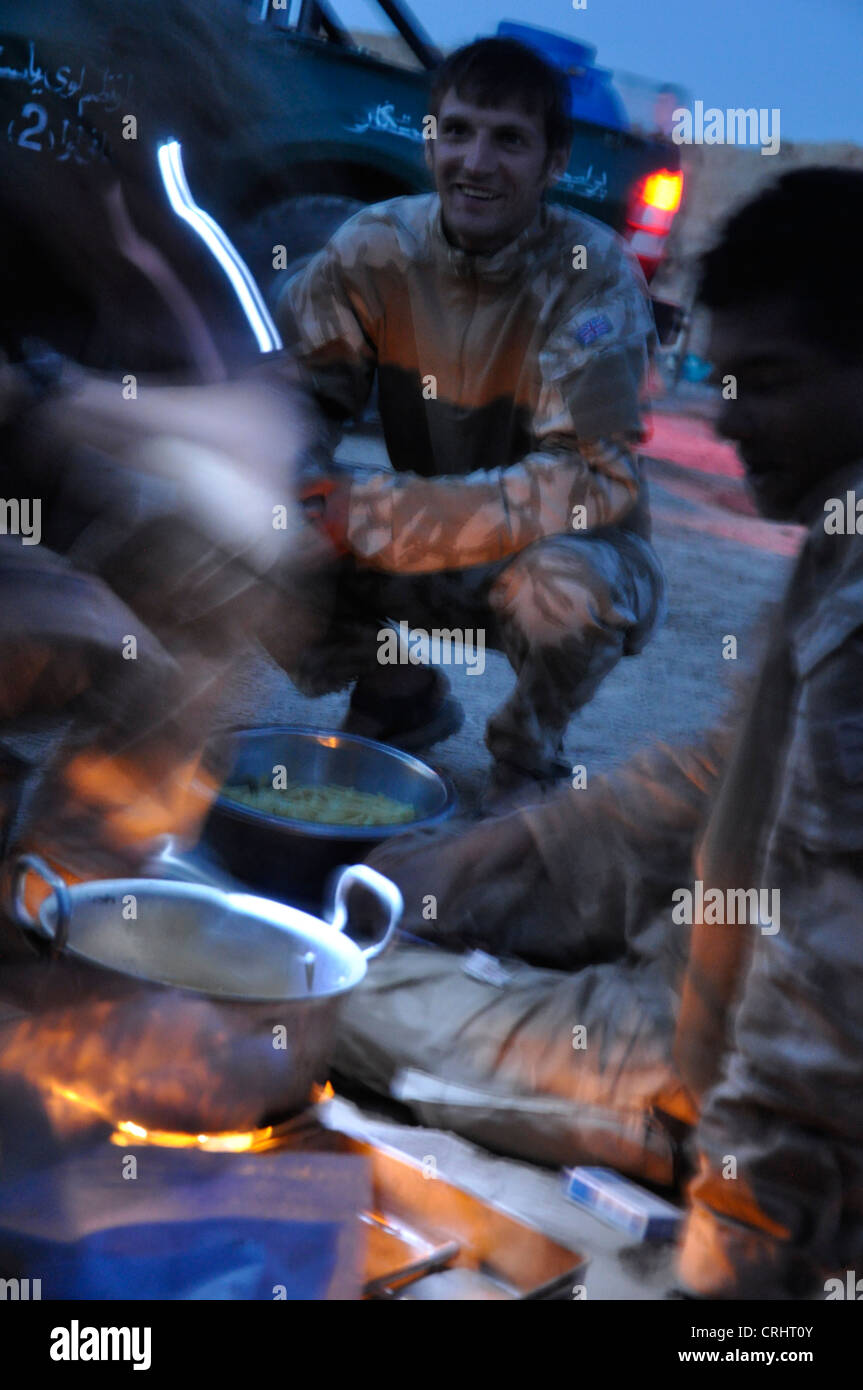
[(654, 202), (663, 190), (652, 207)]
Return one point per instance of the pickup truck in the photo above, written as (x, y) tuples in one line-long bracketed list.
[(344, 128)]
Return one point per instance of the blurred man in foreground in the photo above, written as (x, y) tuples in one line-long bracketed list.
[(139, 416), (147, 419), (757, 1024), (509, 339)]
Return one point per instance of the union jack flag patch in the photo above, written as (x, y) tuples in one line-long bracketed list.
[(593, 329)]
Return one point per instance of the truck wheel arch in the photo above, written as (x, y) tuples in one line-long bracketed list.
[(302, 223)]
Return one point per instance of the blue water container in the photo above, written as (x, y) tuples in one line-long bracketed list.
[(592, 96)]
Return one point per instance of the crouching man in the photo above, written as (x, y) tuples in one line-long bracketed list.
[(509, 339), (627, 1018)]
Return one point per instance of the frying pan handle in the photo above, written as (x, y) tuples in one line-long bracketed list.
[(18, 907), (385, 892)]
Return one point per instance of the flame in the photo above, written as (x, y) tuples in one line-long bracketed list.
[(157, 1060), (155, 1067), (228, 1143)]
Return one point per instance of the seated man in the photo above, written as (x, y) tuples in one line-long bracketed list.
[(510, 341), (578, 1060)]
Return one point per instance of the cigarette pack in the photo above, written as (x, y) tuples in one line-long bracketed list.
[(622, 1203)]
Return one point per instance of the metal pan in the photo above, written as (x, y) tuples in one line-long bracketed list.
[(216, 1008)]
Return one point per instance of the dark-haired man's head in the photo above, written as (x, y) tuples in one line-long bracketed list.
[(786, 295), (503, 135)]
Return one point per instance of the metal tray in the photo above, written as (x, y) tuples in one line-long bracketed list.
[(430, 1239)]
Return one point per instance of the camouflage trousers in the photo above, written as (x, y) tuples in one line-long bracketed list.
[(546, 1065), (564, 611)]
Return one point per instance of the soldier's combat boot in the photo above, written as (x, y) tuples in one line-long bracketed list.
[(408, 719)]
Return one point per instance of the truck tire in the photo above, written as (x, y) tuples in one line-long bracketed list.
[(302, 225)]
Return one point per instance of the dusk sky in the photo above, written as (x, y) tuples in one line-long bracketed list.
[(803, 56)]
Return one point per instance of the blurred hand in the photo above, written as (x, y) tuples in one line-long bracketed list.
[(227, 451), (482, 876), (230, 453)]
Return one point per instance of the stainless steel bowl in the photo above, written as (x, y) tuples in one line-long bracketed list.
[(292, 858)]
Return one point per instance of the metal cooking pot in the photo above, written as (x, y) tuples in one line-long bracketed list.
[(291, 858), (180, 1006)]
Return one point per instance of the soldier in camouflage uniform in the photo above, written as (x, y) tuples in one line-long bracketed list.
[(509, 364), (777, 1206)]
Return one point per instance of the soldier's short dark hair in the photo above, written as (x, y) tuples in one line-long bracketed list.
[(798, 240), (503, 72)]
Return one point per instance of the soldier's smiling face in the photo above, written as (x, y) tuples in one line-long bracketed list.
[(491, 165)]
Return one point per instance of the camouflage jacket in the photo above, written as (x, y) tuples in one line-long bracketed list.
[(788, 1105), (508, 384)]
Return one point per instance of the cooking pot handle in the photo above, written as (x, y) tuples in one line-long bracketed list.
[(20, 913), (385, 892)]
